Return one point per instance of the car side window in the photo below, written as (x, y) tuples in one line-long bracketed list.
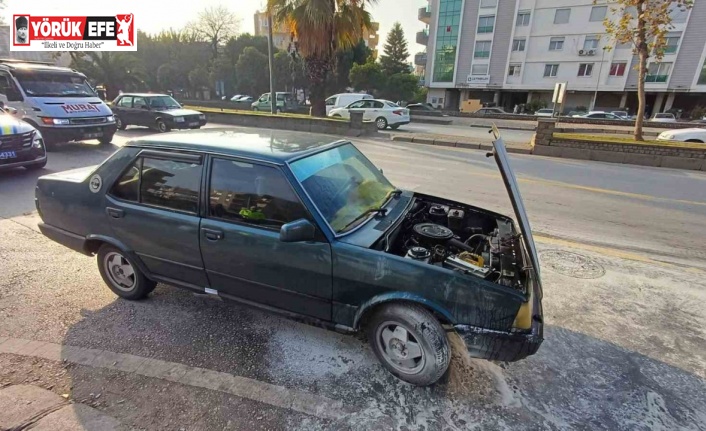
[(377, 105), (125, 102), (159, 182), (331, 101), (357, 105), (253, 194), (138, 102)]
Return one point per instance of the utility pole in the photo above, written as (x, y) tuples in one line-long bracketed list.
[(270, 49)]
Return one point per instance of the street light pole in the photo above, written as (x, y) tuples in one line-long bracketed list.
[(598, 83), (271, 55)]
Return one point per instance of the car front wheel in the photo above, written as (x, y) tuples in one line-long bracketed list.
[(119, 123), (121, 274), (162, 126), (410, 342)]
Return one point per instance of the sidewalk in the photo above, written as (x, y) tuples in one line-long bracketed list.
[(26, 407)]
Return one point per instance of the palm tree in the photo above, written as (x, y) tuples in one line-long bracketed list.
[(321, 27), (116, 70)]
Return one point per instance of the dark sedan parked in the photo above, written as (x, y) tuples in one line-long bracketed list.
[(156, 111), (312, 230)]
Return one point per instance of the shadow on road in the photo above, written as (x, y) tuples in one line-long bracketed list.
[(575, 381)]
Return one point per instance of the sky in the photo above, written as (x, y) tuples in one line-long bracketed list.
[(152, 15)]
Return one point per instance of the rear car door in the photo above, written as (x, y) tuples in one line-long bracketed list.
[(244, 258), (373, 109), (154, 210)]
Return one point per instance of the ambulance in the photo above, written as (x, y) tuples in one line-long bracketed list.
[(57, 101)]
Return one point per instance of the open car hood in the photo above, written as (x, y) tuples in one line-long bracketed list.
[(513, 191)]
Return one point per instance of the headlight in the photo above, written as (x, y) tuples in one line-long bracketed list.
[(37, 140), (55, 121), (178, 119), (202, 117), (110, 118)]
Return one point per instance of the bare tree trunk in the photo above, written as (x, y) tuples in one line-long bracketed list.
[(643, 53)]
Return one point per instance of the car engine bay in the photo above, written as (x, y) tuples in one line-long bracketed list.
[(459, 238)]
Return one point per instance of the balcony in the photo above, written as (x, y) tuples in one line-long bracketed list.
[(658, 79), (420, 59), (423, 37), (424, 15)]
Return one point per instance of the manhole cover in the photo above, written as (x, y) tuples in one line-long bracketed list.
[(571, 264)]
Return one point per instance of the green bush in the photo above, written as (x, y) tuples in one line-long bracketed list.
[(698, 112), (534, 106)]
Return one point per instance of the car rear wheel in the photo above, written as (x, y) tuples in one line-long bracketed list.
[(121, 274), (697, 141), (119, 123), (162, 126), (381, 123), (410, 342)]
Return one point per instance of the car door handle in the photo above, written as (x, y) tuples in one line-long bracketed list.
[(212, 235), (115, 212)]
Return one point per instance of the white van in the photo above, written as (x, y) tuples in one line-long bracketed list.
[(344, 99), (57, 101)]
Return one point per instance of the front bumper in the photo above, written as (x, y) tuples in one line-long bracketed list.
[(68, 134), (25, 157)]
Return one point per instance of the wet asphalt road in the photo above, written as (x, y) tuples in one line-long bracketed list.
[(625, 340)]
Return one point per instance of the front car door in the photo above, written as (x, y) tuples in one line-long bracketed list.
[(154, 210), (244, 258), (141, 115), (123, 109), (359, 105)]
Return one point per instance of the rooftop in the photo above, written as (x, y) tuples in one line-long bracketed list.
[(272, 146)]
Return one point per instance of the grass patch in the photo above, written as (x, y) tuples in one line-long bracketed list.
[(259, 113), (628, 140)]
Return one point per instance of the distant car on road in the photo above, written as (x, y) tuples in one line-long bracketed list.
[(544, 113), (383, 112), (344, 99), (624, 115), (286, 102), (599, 115), (21, 145), (308, 228), (490, 111), (664, 118), (696, 135), (421, 108), (156, 111)]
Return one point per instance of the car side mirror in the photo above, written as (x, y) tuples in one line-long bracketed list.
[(297, 231), (13, 95)]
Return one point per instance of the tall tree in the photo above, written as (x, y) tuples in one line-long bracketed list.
[(645, 24), (368, 77), (321, 27), (339, 81), (395, 54), (252, 69), (116, 70), (215, 25)]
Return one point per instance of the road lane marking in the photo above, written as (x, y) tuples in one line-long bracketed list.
[(243, 387)]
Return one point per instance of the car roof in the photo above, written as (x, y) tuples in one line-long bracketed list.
[(142, 94), (274, 146)]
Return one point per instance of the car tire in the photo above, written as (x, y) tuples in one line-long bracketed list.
[(106, 139), (381, 123), (36, 166), (696, 141), (401, 330), (122, 275), (336, 116), (255, 109), (119, 123), (162, 126)]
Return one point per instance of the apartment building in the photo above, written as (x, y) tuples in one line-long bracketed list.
[(281, 37), (510, 52)]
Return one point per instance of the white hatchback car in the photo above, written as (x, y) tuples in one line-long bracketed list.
[(383, 112), (697, 135)]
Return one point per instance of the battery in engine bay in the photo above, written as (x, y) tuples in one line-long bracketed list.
[(461, 264)]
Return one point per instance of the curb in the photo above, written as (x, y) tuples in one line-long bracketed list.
[(521, 129), (243, 387), (456, 144)]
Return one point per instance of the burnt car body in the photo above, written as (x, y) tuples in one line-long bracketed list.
[(308, 228), (156, 111)]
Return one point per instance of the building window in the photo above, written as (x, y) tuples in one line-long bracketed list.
[(658, 72), (598, 13), (523, 18), (556, 44), (479, 69), (678, 14), (447, 40), (518, 45), (562, 16), (618, 68), (671, 44), (551, 70), (626, 45), (585, 69), (702, 76), (591, 42), (488, 3), (515, 70), (486, 24), (482, 49)]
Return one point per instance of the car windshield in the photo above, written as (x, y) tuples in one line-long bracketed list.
[(163, 102), (343, 184), (52, 84)]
